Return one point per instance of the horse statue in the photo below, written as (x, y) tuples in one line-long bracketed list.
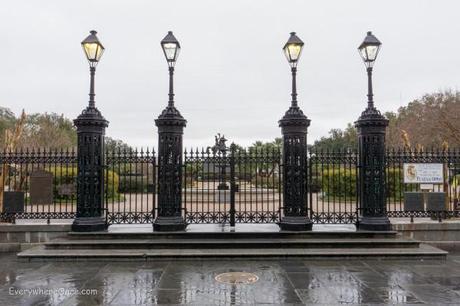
[(219, 146)]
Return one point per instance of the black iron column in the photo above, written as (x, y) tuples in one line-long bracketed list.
[(294, 126), (170, 130), (90, 178), (371, 127), (90, 133)]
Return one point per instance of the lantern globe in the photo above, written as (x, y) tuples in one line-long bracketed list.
[(171, 48), (369, 49), (93, 48), (293, 49)]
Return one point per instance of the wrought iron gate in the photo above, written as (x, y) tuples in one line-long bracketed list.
[(239, 187), (333, 186), (130, 178)]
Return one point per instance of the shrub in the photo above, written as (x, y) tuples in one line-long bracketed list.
[(339, 182), (395, 183), (68, 176), (133, 184), (112, 186)]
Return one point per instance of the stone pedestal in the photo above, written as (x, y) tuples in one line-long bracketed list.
[(89, 224), (169, 224), (289, 223)]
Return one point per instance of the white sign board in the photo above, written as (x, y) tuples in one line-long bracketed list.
[(423, 173), (426, 186)]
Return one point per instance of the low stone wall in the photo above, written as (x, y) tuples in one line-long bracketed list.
[(444, 235), (17, 237)]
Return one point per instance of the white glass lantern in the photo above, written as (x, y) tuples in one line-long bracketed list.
[(292, 49), (171, 48), (93, 48), (369, 49)]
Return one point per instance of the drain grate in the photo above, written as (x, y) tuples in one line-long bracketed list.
[(237, 278)]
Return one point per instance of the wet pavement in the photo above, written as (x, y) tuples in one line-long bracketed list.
[(294, 282)]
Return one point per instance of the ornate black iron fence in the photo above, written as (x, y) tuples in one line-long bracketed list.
[(130, 179), (38, 184), (333, 185), (42, 184), (238, 187), (398, 192)]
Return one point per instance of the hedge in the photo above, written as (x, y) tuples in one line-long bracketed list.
[(68, 176), (134, 184), (341, 182)]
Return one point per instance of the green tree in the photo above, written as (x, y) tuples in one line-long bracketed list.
[(264, 169), (48, 130), (112, 144), (268, 147), (7, 121), (428, 121), (338, 139)]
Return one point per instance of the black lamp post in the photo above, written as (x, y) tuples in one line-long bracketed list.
[(293, 49), (294, 126), (171, 50), (369, 49), (90, 131), (371, 127), (170, 125)]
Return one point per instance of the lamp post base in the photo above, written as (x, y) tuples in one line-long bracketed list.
[(295, 224), (89, 224), (169, 224), (374, 224)]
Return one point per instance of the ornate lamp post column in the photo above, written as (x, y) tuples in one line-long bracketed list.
[(170, 130), (371, 127), (294, 126), (90, 130)]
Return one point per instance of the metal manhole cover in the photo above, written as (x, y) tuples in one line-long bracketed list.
[(237, 278)]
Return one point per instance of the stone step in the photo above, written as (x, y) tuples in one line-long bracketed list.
[(233, 235), (231, 243), (42, 254)]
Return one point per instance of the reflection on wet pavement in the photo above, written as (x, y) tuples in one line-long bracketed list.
[(193, 282)]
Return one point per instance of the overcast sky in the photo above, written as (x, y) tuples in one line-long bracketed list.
[(231, 76)]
